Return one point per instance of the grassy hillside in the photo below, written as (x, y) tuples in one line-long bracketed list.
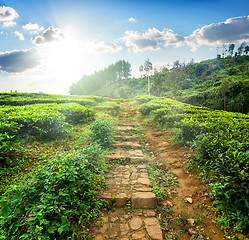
[(52, 151), (220, 141), (216, 83)]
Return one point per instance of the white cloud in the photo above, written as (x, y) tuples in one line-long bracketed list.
[(19, 35), (9, 24), (32, 27), (7, 14), (49, 35), (101, 47), (231, 31), (19, 61), (132, 19), (107, 47), (152, 39)]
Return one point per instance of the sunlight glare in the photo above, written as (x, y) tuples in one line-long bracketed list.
[(65, 59)]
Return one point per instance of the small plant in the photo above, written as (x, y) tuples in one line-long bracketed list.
[(159, 180), (128, 204), (102, 133), (113, 201)]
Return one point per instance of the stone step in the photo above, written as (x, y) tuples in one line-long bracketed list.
[(125, 128), (128, 145), (137, 160), (144, 200), (138, 200), (125, 159), (125, 124), (131, 156), (121, 224), (128, 183), (127, 137), (136, 153)]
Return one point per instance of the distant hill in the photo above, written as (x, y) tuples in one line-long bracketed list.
[(221, 83)]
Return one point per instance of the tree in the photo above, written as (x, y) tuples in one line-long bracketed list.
[(224, 50), (231, 48), (158, 80), (176, 77), (241, 48), (224, 88), (147, 67), (176, 64), (246, 49), (102, 78)]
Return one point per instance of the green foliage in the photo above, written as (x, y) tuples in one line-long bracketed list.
[(38, 121), (58, 194), (102, 133), (59, 198), (160, 179), (7, 145), (7, 136), (111, 74), (44, 120), (20, 99), (76, 113), (222, 140), (216, 83)]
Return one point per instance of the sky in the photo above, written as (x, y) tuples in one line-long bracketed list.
[(47, 45)]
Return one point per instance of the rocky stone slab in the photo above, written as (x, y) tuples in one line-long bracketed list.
[(121, 200), (135, 223), (134, 160), (126, 137), (141, 166), (136, 153), (153, 228), (144, 200), (123, 224), (144, 181), (128, 145)]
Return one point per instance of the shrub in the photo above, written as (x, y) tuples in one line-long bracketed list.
[(76, 113), (60, 197), (57, 199), (102, 133)]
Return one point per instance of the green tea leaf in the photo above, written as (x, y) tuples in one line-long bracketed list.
[(5, 209), (18, 196)]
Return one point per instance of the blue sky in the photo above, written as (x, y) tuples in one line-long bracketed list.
[(46, 45)]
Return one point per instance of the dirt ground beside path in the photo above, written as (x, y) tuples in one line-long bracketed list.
[(190, 198)]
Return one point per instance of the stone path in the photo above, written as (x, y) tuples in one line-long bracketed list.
[(129, 191)]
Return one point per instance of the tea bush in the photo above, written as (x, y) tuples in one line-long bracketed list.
[(40, 121), (20, 99), (76, 113), (59, 198), (222, 141), (43, 120), (101, 132)]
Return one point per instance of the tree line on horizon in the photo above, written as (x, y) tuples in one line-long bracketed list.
[(109, 75), (243, 49), (221, 83)]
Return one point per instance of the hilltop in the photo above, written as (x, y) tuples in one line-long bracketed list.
[(220, 83)]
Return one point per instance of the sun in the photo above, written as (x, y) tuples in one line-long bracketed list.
[(65, 59)]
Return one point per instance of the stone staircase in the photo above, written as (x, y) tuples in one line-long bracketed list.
[(129, 191)]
